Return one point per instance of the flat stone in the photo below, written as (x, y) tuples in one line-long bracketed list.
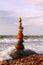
[(21, 53)]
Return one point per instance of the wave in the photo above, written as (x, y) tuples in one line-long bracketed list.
[(8, 40), (9, 46), (5, 54)]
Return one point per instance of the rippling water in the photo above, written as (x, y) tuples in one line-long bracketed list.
[(8, 44)]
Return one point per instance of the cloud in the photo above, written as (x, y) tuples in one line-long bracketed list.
[(37, 4), (34, 2), (7, 23), (13, 1), (10, 29), (33, 20), (7, 4), (8, 17)]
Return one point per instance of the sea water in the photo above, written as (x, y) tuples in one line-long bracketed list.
[(7, 45)]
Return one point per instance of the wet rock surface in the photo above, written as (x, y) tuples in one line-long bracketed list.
[(21, 53), (34, 59)]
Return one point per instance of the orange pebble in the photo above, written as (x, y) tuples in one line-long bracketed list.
[(19, 35), (21, 63), (19, 46)]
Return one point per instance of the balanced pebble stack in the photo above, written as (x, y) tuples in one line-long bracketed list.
[(19, 45)]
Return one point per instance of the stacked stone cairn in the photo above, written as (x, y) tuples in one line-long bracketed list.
[(19, 45)]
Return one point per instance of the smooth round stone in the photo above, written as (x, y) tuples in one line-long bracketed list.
[(20, 35), (19, 46), (20, 30), (19, 20), (19, 25)]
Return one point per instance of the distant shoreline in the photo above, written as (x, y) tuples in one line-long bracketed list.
[(25, 36)]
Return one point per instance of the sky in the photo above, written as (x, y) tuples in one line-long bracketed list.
[(31, 12)]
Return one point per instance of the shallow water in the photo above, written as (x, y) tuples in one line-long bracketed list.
[(7, 45)]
